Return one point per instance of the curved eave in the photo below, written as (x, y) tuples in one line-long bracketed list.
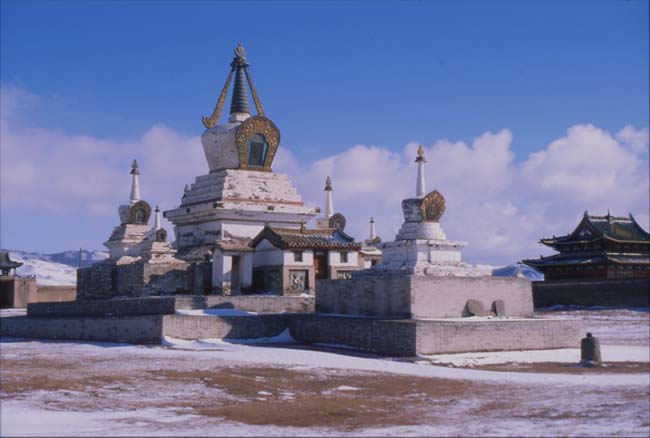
[(554, 242)]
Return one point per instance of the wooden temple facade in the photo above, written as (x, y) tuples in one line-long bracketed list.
[(601, 247)]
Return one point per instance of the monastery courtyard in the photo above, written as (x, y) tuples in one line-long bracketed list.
[(220, 388)]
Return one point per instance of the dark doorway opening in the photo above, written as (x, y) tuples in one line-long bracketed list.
[(320, 264)]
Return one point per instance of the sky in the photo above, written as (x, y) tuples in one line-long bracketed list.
[(531, 112)]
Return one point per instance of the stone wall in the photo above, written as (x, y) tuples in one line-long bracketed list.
[(107, 280), (166, 279), (131, 329), (95, 282), (230, 327), (395, 338), (440, 336), (17, 291), (418, 296), (377, 295), (446, 297), (109, 307), (249, 303), (56, 293), (617, 292)]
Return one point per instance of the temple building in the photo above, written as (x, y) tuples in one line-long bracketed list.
[(600, 247), (290, 260)]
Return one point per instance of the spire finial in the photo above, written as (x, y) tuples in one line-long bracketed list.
[(329, 204), (420, 157), (135, 184), (373, 233), (240, 53), (328, 184), (239, 101), (419, 189)]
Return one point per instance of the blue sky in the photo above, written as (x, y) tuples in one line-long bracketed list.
[(332, 75)]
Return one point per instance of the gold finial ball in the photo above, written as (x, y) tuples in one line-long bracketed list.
[(239, 51), (420, 158)]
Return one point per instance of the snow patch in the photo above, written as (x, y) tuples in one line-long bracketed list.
[(610, 353), (214, 312)]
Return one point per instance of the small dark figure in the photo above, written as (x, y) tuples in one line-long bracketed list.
[(590, 351)]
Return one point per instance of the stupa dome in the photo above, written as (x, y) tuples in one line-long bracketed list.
[(220, 146)]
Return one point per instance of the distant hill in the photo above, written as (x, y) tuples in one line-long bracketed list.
[(55, 269), (513, 270)]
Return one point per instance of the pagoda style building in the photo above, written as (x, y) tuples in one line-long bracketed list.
[(601, 247)]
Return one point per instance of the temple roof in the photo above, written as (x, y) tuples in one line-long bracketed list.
[(591, 228), (6, 263), (234, 244), (302, 238), (589, 258)]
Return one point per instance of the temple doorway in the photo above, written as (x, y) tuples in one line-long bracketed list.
[(234, 275), (320, 264)]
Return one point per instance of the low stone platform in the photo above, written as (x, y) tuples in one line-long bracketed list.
[(249, 303), (390, 337), (421, 296), (147, 329), (410, 337), (167, 305)]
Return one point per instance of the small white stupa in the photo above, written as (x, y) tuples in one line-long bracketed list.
[(126, 240), (156, 249), (421, 246), (324, 221)]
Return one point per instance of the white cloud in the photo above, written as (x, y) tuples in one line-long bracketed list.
[(499, 206), (636, 139)]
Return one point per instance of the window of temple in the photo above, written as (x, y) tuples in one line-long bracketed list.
[(297, 256), (344, 257), (257, 150)]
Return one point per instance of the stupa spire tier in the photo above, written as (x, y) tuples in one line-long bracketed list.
[(420, 188), (373, 233), (329, 203), (135, 184), (239, 105), (239, 101), (157, 219)]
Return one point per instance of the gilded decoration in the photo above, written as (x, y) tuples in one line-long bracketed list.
[(432, 207), (337, 222), (210, 122), (257, 125), (140, 213)]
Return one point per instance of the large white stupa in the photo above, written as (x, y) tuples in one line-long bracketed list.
[(241, 193)]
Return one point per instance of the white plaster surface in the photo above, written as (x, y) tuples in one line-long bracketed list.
[(236, 203), (220, 146)]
